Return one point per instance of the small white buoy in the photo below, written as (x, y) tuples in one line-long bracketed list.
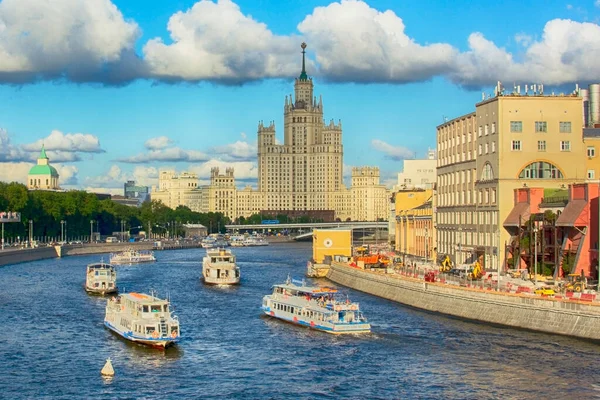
[(108, 370)]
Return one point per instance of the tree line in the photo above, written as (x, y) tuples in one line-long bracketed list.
[(82, 212)]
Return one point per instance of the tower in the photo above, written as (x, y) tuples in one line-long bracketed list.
[(43, 176)]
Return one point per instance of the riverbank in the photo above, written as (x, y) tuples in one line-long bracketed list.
[(563, 316)]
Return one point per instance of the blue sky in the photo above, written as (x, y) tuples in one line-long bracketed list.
[(116, 90)]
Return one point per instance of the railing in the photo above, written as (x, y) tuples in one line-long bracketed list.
[(555, 200)]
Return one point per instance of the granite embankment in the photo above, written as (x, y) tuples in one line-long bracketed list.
[(16, 256), (560, 316)]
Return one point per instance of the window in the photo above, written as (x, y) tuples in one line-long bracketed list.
[(487, 174), (541, 126), (516, 126), (591, 174), (565, 145), (591, 151), (487, 150), (564, 127), (487, 129), (516, 145), (541, 145), (493, 128), (480, 150), (540, 170), (493, 147), (480, 131)]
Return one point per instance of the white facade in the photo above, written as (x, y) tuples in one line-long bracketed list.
[(418, 174)]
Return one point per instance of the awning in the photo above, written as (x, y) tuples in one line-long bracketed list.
[(571, 213), (519, 210)]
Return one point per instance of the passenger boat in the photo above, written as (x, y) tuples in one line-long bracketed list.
[(320, 308), (142, 318), (219, 268), (131, 256), (101, 278), (255, 241), (236, 241)]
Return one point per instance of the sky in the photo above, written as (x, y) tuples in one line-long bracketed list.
[(117, 90)]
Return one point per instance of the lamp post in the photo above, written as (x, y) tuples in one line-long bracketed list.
[(426, 245), (91, 230), (535, 232), (30, 233), (62, 231)]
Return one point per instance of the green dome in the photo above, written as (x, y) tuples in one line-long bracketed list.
[(43, 170)]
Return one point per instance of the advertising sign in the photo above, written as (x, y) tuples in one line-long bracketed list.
[(10, 216)]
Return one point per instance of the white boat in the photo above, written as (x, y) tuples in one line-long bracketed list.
[(320, 308), (219, 268), (101, 278), (131, 256), (142, 318), (236, 241), (255, 241)]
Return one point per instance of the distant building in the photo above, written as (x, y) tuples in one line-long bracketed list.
[(43, 176), (133, 191), (178, 190), (418, 174), (131, 202), (195, 230)]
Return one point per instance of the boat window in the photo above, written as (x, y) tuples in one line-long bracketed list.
[(155, 308), (145, 308), (292, 310), (149, 329), (165, 308)]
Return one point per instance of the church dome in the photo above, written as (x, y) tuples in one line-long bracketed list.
[(43, 170)]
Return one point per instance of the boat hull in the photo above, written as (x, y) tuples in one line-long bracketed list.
[(334, 329), (127, 262), (158, 342), (101, 292), (215, 281)]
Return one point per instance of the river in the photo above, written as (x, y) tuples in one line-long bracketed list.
[(54, 342)]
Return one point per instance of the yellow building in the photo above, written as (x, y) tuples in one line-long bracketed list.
[(42, 176), (510, 141), (178, 190), (415, 231), (331, 242), (591, 140)]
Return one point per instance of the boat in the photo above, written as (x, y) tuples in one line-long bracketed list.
[(255, 241), (101, 278), (219, 268), (214, 241), (131, 256), (236, 241), (142, 318), (321, 308)]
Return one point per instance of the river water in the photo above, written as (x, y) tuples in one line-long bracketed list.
[(54, 343)]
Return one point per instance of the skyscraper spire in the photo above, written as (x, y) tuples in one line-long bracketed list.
[(303, 76)]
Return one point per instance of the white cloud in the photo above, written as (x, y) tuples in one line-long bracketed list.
[(172, 154), (597, 3), (395, 153), (236, 151), (523, 39), (568, 52), (14, 171), (84, 41), (67, 174), (216, 41), (115, 178), (158, 143), (355, 42), (145, 176), (69, 143), (8, 151)]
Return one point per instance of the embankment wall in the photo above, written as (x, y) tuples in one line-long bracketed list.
[(564, 317), (25, 255)]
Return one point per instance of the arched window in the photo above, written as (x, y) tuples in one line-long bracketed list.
[(487, 174), (541, 170)]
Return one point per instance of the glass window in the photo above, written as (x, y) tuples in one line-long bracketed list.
[(480, 130), (487, 129), (516, 126), (541, 126), (591, 174), (516, 145), (541, 145), (493, 127), (591, 151), (487, 173), (493, 147), (540, 170), (564, 127), (565, 145)]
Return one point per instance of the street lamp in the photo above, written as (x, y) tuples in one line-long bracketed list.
[(91, 230), (535, 232), (62, 231), (426, 245), (30, 233)]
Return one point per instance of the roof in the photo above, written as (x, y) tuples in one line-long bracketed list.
[(143, 298), (43, 170), (571, 213), (43, 153), (520, 210)]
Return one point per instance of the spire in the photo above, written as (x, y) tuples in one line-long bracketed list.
[(303, 76), (43, 152)]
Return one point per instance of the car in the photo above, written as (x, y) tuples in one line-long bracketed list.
[(544, 291)]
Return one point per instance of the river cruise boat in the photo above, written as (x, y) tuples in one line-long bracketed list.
[(320, 308), (219, 268), (131, 256), (255, 241), (142, 318), (101, 278)]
